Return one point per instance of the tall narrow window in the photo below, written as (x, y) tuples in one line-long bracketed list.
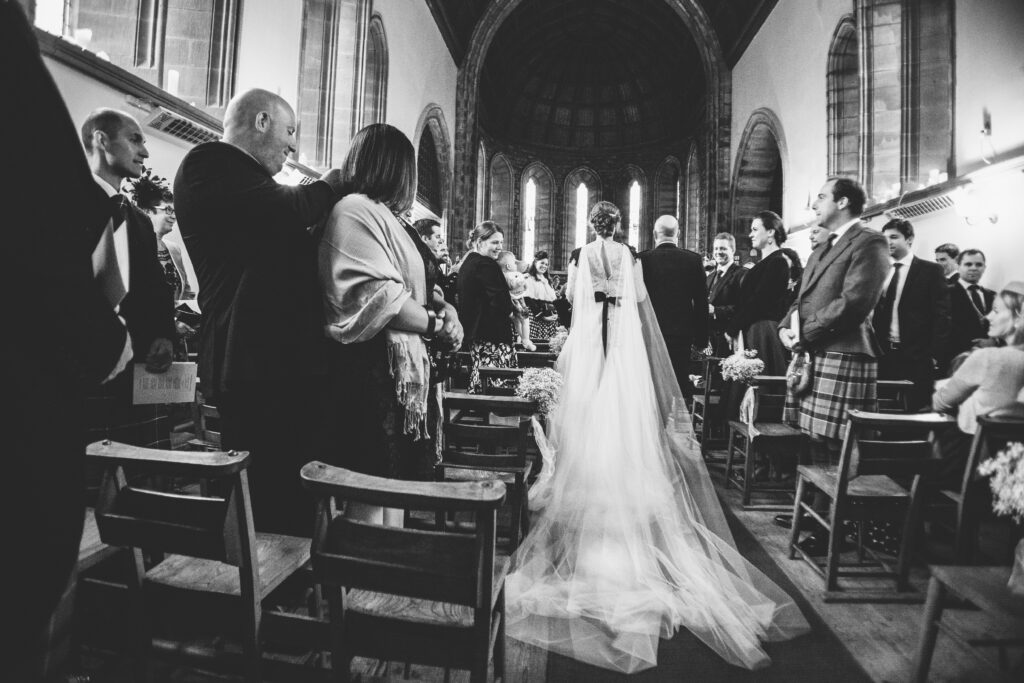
[(375, 85), (500, 203), (694, 210), (582, 195), (529, 218), (634, 214), (844, 102), (317, 79)]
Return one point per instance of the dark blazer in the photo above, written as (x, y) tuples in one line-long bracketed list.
[(839, 291), (763, 293), (967, 323), (64, 339), (485, 305), (256, 264), (723, 294), (924, 313), (148, 307), (674, 279)]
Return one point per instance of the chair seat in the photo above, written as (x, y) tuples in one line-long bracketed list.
[(278, 558), (954, 496), (866, 486), (772, 430), (714, 399), (416, 610)]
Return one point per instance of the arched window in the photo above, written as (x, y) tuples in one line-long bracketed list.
[(375, 75), (666, 188), (481, 183), (694, 207), (501, 194), (529, 217), (428, 174), (575, 230), (844, 102), (538, 217), (582, 209), (634, 213)]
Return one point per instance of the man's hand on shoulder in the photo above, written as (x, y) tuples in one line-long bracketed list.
[(333, 178)]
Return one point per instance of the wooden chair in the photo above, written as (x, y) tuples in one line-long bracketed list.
[(207, 428), (766, 436), (707, 402), (431, 597), (500, 381), (862, 487), (994, 431), (536, 359), (894, 395), (210, 544), (491, 453)]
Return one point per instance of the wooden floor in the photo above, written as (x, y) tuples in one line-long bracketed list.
[(882, 638)]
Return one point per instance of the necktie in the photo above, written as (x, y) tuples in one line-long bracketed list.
[(828, 245), (104, 256), (886, 308), (976, 297)]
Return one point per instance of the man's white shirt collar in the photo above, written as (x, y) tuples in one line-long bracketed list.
[(107, 187), (841, 230), (905, 260)]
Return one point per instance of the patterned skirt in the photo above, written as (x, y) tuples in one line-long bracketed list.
[(489, 354), (541, 329), (842, 382)]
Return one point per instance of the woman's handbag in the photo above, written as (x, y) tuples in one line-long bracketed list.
[(800, 373)]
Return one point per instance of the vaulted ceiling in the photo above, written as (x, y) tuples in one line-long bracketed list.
[(594, 73)]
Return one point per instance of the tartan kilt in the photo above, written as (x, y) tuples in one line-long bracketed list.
[(842, 382)]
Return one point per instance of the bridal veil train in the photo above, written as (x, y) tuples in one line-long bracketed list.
[(631, 543)]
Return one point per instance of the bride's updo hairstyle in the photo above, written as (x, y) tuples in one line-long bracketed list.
[(605, 218)]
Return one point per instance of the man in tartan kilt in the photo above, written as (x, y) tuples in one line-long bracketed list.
[(840, 288)]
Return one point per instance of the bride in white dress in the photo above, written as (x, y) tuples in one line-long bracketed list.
[(631, 543)]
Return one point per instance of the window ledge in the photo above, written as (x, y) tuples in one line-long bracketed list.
[(110, 74)]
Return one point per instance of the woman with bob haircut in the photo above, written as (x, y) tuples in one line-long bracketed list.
[(485, 304), (381, 308), (540, 297)]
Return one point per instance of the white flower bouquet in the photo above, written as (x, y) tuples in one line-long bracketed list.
[(557, 340), (742, 366), (1007, 482), (541, 385)]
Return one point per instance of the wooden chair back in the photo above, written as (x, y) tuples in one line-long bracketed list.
[(894, 395), (770, 398), (365, 566), (462, 407), (536, 359), (206, 420), (865, 451), (490, 446), (196, 536), (500, 381)]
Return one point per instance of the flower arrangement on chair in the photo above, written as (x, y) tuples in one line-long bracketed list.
[(1006, 470), (557, 340), (742, 366), (541, 385)]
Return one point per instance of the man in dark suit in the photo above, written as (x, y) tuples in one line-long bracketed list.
[(674, 279), (65, 339), (911, 320), (969, 302), (723, 291), (946, 255), (262, 353)]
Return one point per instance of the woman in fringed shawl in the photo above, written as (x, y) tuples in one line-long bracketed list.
[(381, 309)]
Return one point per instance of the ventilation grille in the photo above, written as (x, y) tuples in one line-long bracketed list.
[(922, 207), (177, 126)]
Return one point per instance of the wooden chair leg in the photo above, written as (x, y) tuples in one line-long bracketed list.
[(910, 527), (835, 531), (728, 457), (750, 458), (499, 643), (798, 513), (341, 657), (929, 631)]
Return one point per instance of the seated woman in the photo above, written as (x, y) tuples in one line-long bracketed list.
[(485, 304), (989, 378), (540, 297)]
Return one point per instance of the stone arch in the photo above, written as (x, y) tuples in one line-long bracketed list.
[(432, 118), (375, 74), (566, 241), (758, 178), (544, 220), (715, 129)]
